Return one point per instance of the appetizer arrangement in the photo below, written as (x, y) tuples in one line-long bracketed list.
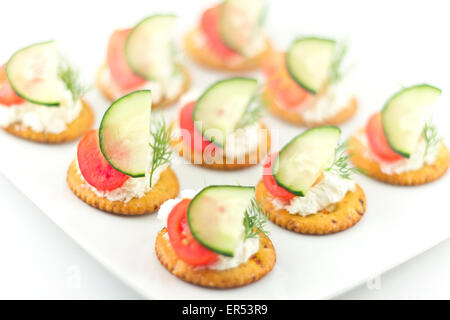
[(305, 85), (229, 36), (307, 187), (41, 97), (400, 145), (123, 167), (215, 238), (222, 129), (144, 57)]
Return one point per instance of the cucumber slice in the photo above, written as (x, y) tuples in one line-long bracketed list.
[(240, 21), (221, 106), (308, 62), (124, 133), (148, 48), (404, 115), (216, 215), (33, 74), (302, 160)]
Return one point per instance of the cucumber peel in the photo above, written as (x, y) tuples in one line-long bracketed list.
[(308, 61), (124, 133), (216, 214), (239, 22), (33, 74), (149, 48), (301, 161), (220, 108), (405, 114)]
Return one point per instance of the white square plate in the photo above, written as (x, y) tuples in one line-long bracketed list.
[(390, 49)]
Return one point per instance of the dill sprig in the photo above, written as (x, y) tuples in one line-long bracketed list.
[(430, 135), (335, 71), (161, 151), (255, 219), (252, 113), (70, 77), (341, 165)]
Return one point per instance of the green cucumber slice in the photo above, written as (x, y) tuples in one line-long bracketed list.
[(148, 48), (404, 115), (303, 159), (308, 61), (239, 22), (33, 74), (216, 214), (124, 133), (221, 106)]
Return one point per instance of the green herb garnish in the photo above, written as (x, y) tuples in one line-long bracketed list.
[(341, 165), (254, 220), (430, 135), (160, 138), (252, 113), (335, 72), (70, 77)]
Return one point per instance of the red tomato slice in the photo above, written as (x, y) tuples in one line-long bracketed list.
[(377, 139), (269, 181), (209, 24), (192, 137), (94, 167), (7, 95), (121, 73), (185, 245), (279, 81)]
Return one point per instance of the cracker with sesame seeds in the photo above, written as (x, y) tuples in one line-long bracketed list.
[(74, 130), (203, 55), (166, 188), (340, 216), (426, 174), (224, 163), (110, 92), (296, 118), (259, 265)]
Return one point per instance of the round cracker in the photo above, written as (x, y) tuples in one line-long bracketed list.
[(166, 188), (370, 167), (260, 264), (109, 90), (204, 56), (297, 119), (74, 130), (198, 158), (343, 215)]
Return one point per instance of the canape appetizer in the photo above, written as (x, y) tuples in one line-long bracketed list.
[(305, 85), (123, 167), (41, 97), (215, 238), (222, 129), (229, 36), (307, 187), (400, 145), (143, 57)]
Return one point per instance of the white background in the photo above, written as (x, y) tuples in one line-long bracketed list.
[(39, 261), (405, 41)]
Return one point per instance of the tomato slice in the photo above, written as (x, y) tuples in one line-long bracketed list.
[(269, 181), (279, 81), (209, 24), (121, 73), (7, 95), (191, 136), (185, 245), (94, 167), (377, 139)]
